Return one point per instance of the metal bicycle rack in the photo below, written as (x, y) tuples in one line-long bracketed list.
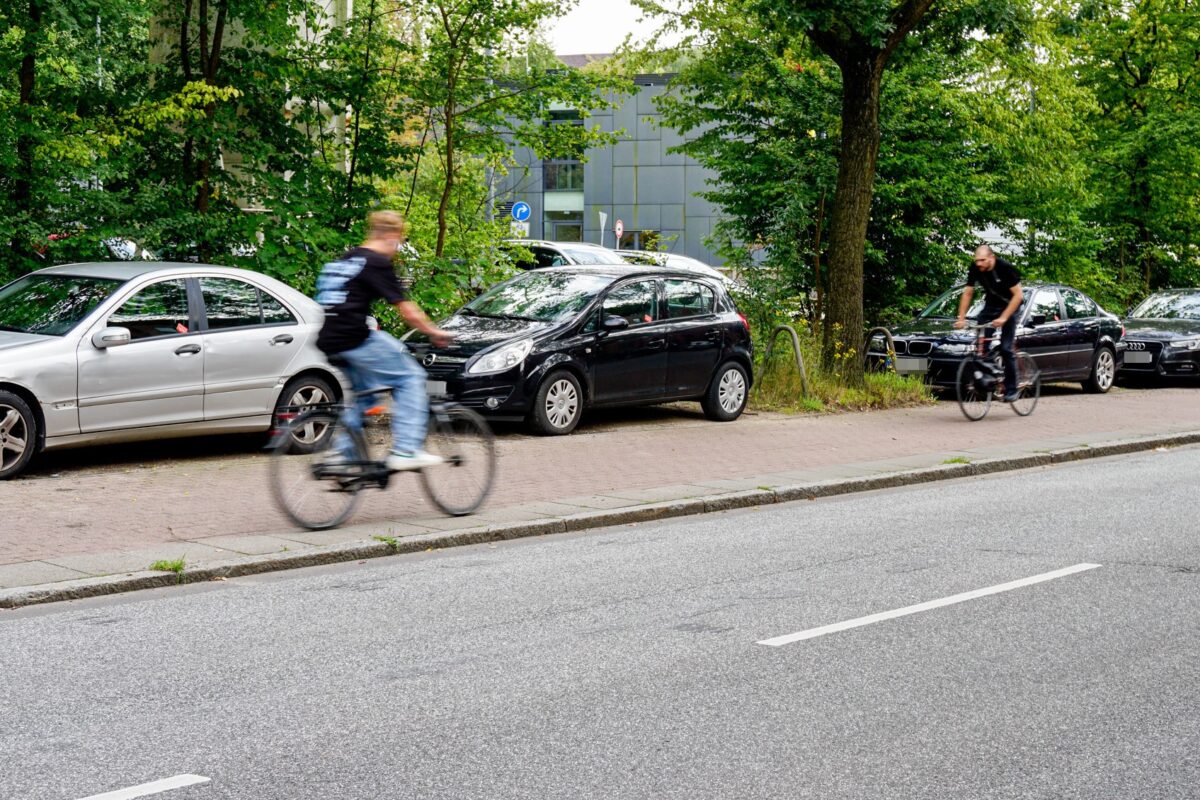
[(771, 349), (890, 355)]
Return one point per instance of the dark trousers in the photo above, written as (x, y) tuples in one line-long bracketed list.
[(1008, 354)]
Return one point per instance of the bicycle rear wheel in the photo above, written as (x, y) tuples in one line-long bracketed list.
[(460, 436), (1029, 385), (973, 398), (315, 488)]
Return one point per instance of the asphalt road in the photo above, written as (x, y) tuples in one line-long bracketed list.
[(626, 663)]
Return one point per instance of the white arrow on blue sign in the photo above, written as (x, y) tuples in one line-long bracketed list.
[(521, 212)]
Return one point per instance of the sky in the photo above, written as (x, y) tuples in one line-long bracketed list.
[(596, 26)]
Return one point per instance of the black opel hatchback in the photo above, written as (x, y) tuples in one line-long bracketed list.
[(547, 344)]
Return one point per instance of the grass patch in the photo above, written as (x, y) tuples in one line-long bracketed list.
[(390, 541), (782, 390), (957, 460), (175, 566)]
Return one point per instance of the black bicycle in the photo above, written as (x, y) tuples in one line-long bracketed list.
[(981, 378), (318, 488)]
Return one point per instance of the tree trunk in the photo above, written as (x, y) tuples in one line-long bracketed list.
[(851, 212), (23, 185)]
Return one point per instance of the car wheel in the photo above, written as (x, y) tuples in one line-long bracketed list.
[(301, 392), (18, 435), (1104, 371), (558, 405), (727, 395)]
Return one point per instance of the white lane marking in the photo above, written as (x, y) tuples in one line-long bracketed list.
[(812, 633), (154, 787)]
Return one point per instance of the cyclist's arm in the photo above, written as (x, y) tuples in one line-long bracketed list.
[(415, 318), (1013, 304), (963, 305)]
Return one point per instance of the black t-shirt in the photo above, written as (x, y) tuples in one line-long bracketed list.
[(346, 289), (997, 283)]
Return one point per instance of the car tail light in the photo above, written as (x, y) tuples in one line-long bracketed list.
[(745, 321)]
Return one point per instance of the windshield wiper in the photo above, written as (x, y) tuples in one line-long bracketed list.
[(469, 312), (516, 316)]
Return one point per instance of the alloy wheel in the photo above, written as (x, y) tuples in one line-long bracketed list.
[(14, 436), (311, 432), (562, 403), (1106, 369)]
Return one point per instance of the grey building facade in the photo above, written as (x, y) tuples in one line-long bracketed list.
[(652, 191)]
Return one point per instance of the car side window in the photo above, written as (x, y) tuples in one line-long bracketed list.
[(230, 303), (637, 302), (160, 309), (1078, 306), (547, 258), (689, 299), (1045, 303)]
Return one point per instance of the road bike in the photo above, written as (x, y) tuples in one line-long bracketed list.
[(981, 378), (318, 488)]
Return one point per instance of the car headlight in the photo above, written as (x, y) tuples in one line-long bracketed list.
[(502, 359), (878, 344), (959, 349), (1185, 344)]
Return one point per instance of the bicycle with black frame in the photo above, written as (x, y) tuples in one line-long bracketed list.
[(318, 487), (981, 378)]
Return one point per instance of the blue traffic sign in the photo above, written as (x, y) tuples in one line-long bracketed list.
[(521, 212)]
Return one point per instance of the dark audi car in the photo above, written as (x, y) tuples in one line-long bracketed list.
[(1069, 336), (1163, 336), (549, 343)]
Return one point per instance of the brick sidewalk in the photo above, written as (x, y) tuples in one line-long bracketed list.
[(87, 521)]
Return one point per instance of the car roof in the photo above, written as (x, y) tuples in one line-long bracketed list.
[(619, 271), (128, 270)]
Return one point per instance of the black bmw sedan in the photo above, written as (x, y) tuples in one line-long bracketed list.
[(549, 343), (1069, 336), (1163, 335)]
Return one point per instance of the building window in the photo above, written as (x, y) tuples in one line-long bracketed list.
[(562, 176), (640, 240)]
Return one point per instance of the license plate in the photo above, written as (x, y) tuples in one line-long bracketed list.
[(435, 387), (1139, 358), (910, 365)]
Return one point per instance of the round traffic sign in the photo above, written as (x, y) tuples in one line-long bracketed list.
[(619, 228), (521, 212)]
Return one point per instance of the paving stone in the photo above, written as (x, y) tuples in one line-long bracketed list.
[(32, 573)]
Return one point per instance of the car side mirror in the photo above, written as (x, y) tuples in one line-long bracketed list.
[(615, 323), (111, 337), (1037, 319)]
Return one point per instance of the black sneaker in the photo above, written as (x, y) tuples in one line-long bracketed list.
[(1012, 397)]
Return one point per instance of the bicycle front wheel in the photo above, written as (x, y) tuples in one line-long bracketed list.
[(316, 488), (460, 484), (973, 398), (1029, 385)]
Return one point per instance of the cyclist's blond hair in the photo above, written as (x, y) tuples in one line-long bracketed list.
[(386, 223)]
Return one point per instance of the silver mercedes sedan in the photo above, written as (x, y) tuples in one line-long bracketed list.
[(93, 353)]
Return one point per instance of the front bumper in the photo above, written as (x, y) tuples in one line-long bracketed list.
[(1157, 360), (935, 369)]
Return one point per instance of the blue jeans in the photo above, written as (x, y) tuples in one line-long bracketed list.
[(383, 361)]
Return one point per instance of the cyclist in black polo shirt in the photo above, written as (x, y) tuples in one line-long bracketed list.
[(1002, 288), (347, 288)]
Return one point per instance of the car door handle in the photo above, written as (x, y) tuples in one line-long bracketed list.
[(282, 338), (187, 350), (655, 344)]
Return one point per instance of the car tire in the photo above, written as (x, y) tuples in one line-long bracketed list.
[(18, 435), (303, 391), (558, 405), (727, 394), (1104, 371)]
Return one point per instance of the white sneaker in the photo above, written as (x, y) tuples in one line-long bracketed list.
[(401, 462)]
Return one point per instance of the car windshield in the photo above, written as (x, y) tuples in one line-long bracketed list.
[(590, 255), (946, 306), (1169, 305), (51, 304), (538, 296)]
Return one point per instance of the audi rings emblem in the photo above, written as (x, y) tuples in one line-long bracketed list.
[(1137, 345), (429, 359)]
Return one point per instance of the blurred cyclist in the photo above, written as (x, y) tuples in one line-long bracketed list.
[(347, 288)]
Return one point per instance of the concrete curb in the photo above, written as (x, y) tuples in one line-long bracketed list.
[(648, 512)]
